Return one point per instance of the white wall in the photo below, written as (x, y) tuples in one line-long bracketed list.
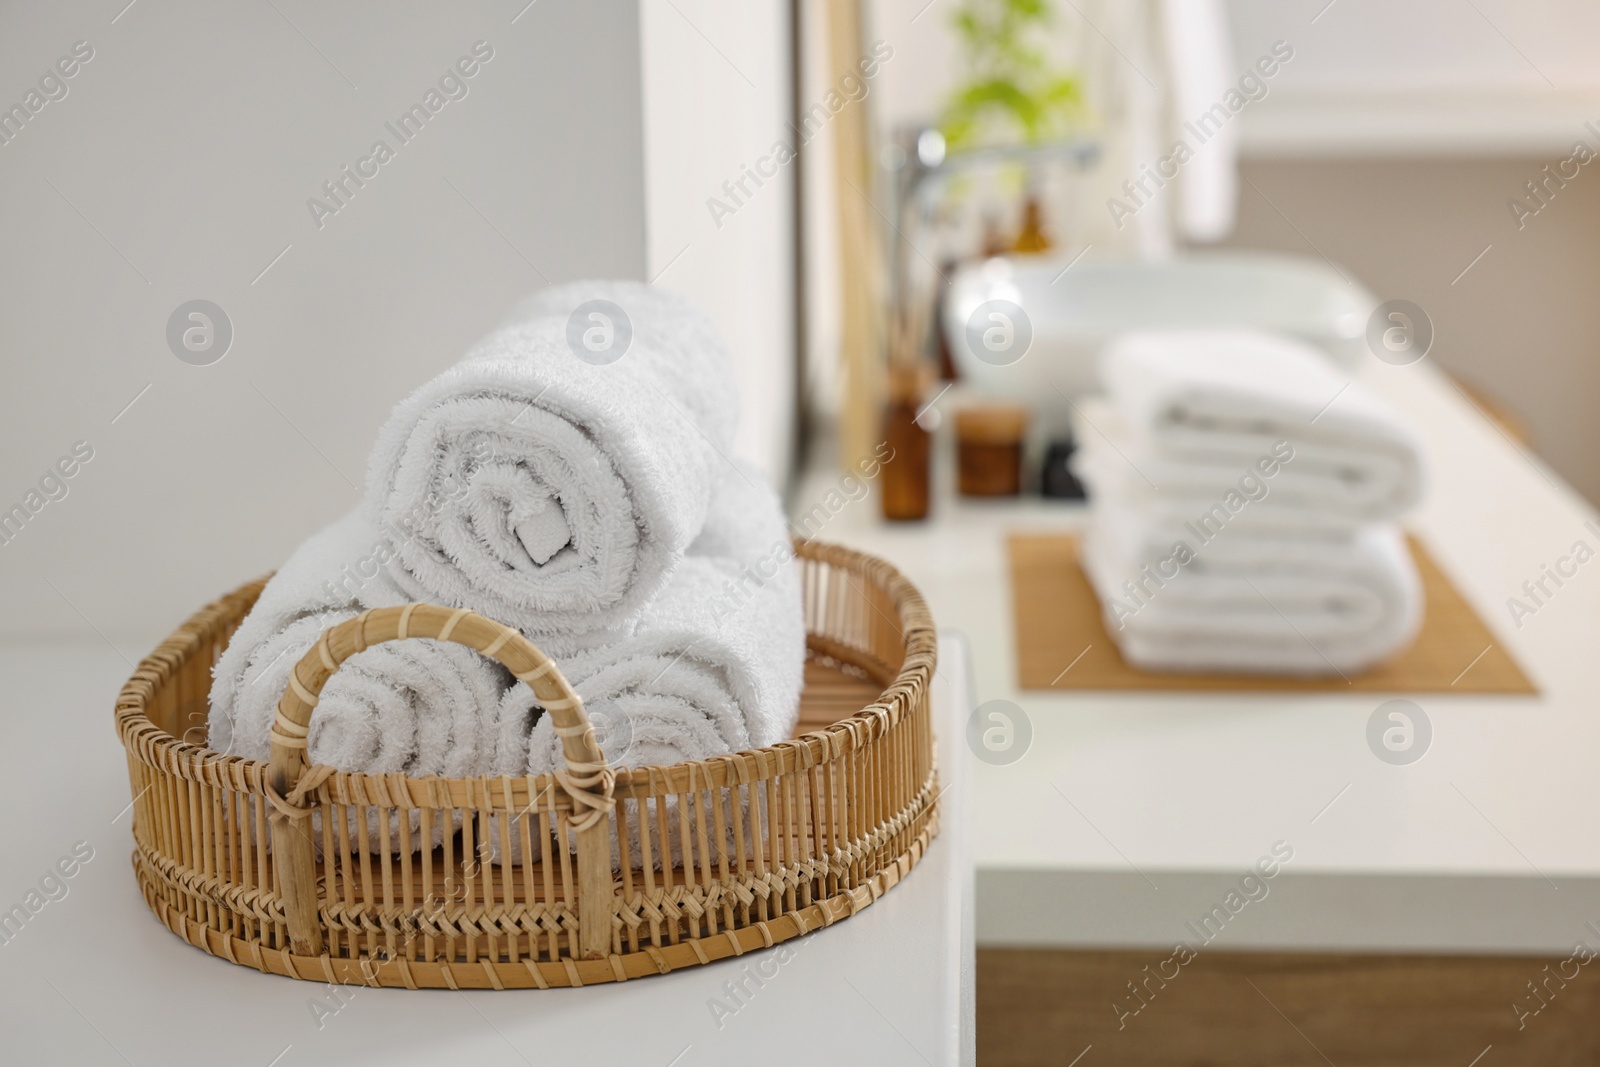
[(716, 99), (187, 148)]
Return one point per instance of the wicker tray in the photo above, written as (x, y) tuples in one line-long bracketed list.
[(271, 864)]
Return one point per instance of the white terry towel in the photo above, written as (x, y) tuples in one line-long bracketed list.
[(1263, 605), (1201, 403), (549, 492), (415, 706), (716, 665), (717, 662), (1201, 68), (419, 706), (1196, 499)]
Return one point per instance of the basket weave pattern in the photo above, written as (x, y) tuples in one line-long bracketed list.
[(294, 870)]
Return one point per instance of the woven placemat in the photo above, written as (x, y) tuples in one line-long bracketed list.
[(1062, 643)]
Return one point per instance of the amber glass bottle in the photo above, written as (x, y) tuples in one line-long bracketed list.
[(905, 480), (1032, 238)]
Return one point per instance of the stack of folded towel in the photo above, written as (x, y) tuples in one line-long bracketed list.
[(590, 506), (1244, 495)]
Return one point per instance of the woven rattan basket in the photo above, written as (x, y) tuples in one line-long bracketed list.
[(272, 864)]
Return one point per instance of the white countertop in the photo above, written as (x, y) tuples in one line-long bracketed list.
[(95, 978), (1133, 812)]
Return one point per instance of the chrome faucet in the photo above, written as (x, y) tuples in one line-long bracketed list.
[(919, 165)]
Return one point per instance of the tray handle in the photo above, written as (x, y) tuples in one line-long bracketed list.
[(586, 778)]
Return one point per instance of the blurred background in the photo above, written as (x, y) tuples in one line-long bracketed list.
[(179, 164)]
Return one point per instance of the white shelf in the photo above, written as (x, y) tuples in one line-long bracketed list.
[(1468, 123)]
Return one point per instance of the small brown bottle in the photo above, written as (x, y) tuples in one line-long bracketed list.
[(1032, 238), (906, 476), (989, 445)]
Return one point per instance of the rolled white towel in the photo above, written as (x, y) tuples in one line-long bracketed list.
[(718, 660), (418, 706), (400, 706), (716, 665), (549, 492), (1199, 404), (1261, 605)]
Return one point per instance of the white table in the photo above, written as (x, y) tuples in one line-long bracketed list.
[(1135, 812), (95, 978)]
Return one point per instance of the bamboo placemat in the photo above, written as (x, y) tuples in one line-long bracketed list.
[(1062, 642)]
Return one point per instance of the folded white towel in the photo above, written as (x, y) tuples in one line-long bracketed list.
[(1196, 499), (1200, 404), (1271, 605), (546, 491)]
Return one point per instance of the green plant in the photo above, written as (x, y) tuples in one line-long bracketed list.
[(1012, 91)]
